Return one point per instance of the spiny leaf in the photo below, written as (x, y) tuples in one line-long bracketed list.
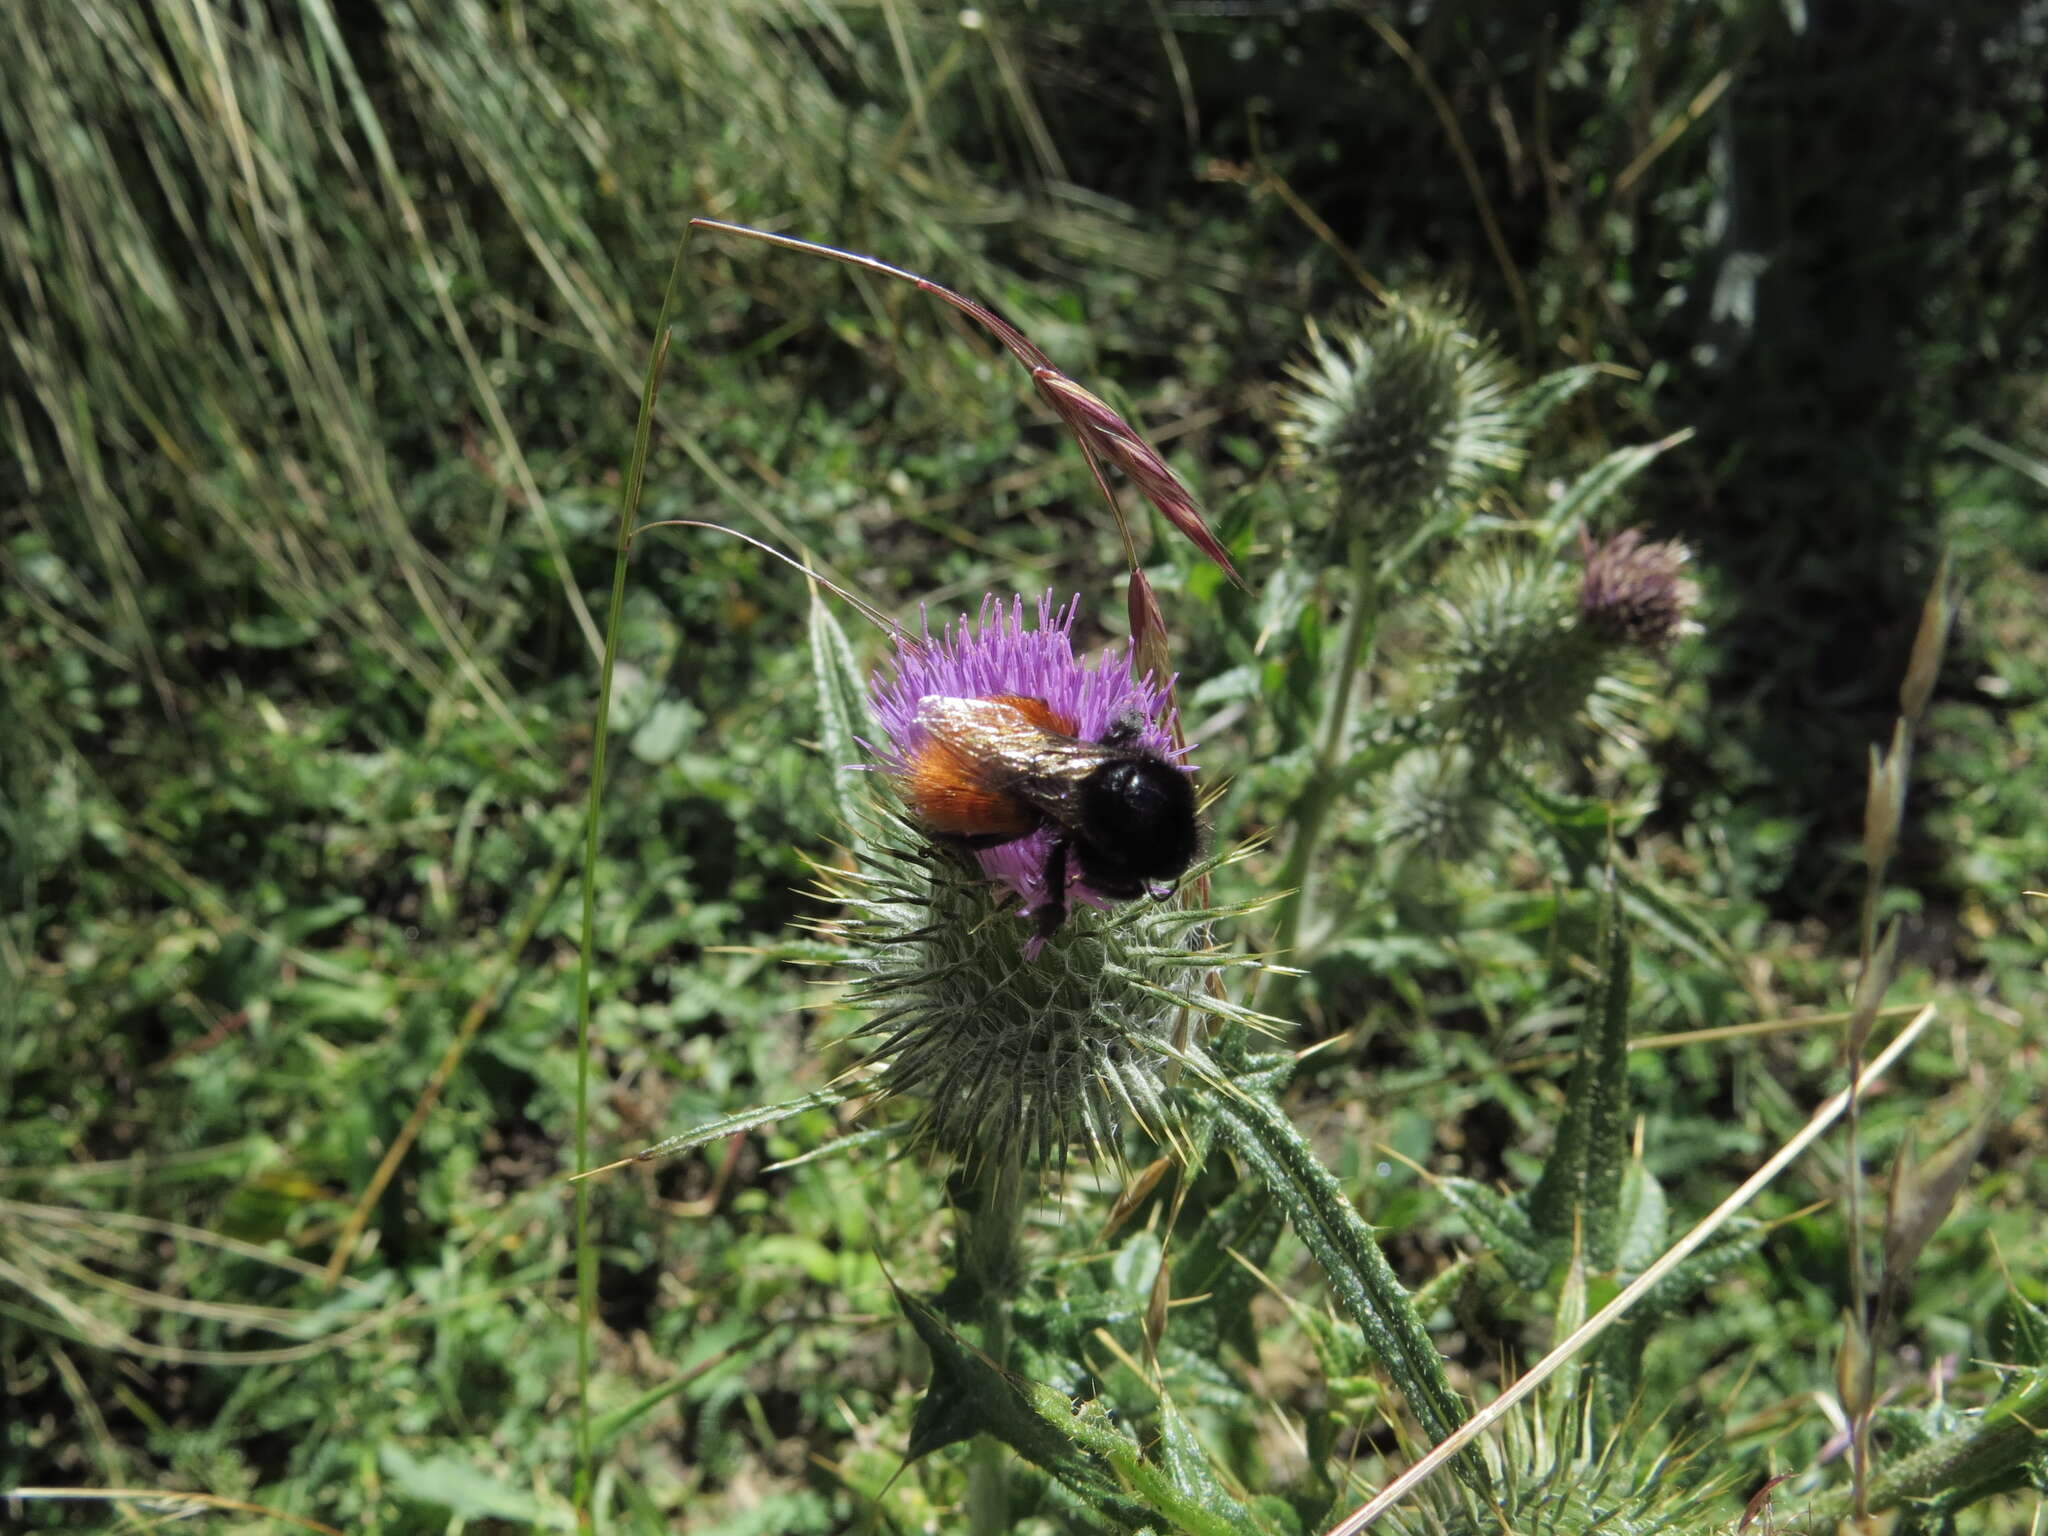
[(1580, 1187), (1502, 1224), (742, 1120), (1608, 1114), (1534, 403), (969, 1395), (1360, 1278)]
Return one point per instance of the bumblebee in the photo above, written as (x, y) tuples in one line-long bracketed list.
[(996, 769)]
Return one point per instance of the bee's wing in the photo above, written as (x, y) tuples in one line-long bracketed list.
[(1010, 752)]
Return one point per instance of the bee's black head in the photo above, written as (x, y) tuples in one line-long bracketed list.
[(1136, 824)]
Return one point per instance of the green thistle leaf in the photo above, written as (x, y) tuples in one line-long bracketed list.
[(1535, 403), (843, 717), (1599, 485), (1500, 1222), (1242, 1231), (1608, 1113), (1580, 1188), (969, 1395), (1360, 1278), (744, 1120)]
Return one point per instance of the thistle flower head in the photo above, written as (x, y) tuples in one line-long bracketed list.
[(1635, 593), (1403, 412), (1019, 1052), (999, 653)]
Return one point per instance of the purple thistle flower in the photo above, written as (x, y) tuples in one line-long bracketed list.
[(1633, 592), (1000, 653)]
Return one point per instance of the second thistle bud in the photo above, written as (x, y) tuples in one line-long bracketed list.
[(1512, 668)]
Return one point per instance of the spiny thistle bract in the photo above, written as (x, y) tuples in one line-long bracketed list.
[(1512, 665), (1017, 1052), (1635, 593), (1556, 1476), (1402, 412)]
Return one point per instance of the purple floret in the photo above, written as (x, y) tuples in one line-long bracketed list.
[(998, 653)]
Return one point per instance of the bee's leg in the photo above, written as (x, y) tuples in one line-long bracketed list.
[(1053, 910)]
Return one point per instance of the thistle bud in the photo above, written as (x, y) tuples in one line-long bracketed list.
[(1402, 413), (1434, 802), (1511, 667), (1018, 1048), (1635, 593)]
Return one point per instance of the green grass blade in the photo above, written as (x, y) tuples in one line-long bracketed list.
[(629, 516)]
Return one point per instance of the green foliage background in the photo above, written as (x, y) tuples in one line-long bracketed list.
[(323, 329)]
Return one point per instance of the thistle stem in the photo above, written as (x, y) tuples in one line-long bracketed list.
[(1333, 747), (991, 1223)]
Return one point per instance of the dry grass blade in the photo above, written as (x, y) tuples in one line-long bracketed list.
[(1474, 182), (1615, 1310), (1674, 130), (88, 1328)]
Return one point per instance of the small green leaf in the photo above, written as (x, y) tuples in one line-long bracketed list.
[(465, 1492), (2019, 1332), (1240, 1232), (667, 726), (1641, 1221)]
